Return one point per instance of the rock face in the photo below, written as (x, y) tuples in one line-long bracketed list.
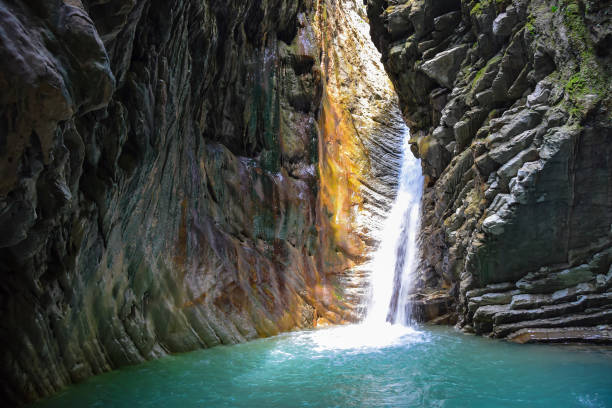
[(167, 178), (510, 111), (158, 182)]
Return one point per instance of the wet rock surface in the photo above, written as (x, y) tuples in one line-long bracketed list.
[(508, 103), (598, 334)]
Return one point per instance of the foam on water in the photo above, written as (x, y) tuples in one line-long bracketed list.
[(363, 337)]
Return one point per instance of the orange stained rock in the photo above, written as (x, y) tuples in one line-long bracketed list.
[(342, 163), (323, 322)]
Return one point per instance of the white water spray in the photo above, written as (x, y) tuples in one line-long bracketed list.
[(393, 265)]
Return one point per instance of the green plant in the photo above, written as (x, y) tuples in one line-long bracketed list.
[(485, 69), (530, 24), (587, 80), (576, 85)]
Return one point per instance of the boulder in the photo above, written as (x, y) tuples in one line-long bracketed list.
[(535, 283), (443, 68), (599, 334), (505, 23)]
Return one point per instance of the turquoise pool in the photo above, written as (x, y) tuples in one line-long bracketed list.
[(357, 366)]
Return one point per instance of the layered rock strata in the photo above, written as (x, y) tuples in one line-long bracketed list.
[(509, 106), (175, 175)]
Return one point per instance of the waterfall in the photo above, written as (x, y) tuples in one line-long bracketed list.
[(392, 271), (393, 265)]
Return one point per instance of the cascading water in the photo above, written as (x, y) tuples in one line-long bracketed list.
[(393, 264), (392, 271)]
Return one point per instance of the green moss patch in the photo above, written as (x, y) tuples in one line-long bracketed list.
[(480, 6), (590, 78)]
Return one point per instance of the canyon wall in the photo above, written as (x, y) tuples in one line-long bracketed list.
[(182, 174), (158, 182), (509, 106)]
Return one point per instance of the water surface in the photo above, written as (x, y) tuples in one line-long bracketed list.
[(359, 366)]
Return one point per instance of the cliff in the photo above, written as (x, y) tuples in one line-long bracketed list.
[(508, 103), (159, 190), (177, 175), (187, 173)]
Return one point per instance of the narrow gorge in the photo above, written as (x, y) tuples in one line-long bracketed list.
[(192, 174)]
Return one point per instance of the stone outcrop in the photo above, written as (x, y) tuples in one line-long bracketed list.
[(509, 108), (170, 181)]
